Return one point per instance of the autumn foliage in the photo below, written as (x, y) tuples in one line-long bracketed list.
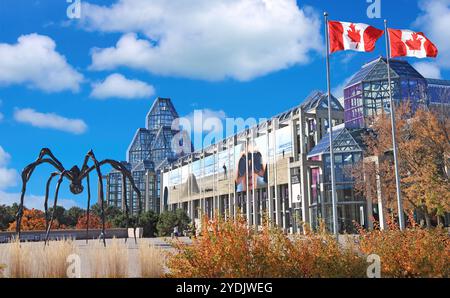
[(229, 249), (423, 149), (95, 222), (34, 220), (414, 252)]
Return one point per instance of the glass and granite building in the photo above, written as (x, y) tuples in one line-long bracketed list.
[(267, 170), (150, 150), (280, 168)]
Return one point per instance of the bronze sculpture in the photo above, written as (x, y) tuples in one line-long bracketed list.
[(76, 176)]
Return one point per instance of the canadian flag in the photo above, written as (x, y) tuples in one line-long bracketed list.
[(410, 43), (352, 36)]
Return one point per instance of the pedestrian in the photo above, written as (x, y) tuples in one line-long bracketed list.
[(175, 231)]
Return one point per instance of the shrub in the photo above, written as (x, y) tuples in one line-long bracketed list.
[(34, 220), (31, 260), (95, 222), (110, 261), (414, 252), (151, 261), (169, 219), (229, 249), (2, 268)]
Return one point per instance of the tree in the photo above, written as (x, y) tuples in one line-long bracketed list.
[(110, 211), (95, 222), (148, 221), (73, 215), (60, 215), (424, 150), (6, 218), (169, 219), (33, 220)]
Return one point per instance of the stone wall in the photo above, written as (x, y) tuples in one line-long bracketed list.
[(63, 234)]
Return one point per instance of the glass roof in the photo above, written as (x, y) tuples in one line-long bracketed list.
[(377, 70), (438, 82), (319, 99), (343, 141)]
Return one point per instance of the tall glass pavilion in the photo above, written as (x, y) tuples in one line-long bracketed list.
[(149, 151), (367, 93)]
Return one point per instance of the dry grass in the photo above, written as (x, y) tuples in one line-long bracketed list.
[(151, 261), (54, 258), (110, 261), (31, 260)]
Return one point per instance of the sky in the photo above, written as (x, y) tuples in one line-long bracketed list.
[(75, 84)]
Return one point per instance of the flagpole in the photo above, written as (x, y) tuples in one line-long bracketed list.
[(394, 143), (330, 126)]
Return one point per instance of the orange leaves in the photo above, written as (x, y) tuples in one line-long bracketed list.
[(414, 252), (229, 249), (423, 148), (32, 220), (95, 222)]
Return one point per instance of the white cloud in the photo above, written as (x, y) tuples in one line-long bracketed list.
[(4, 157), (205, 120), (428, 70), (338, 91), (202, 39), (116, 85), (434, 21), (8, 177), (34, 62), (33, 201), (50, 120)]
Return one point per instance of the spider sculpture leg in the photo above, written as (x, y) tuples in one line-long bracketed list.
[(47, 190), (88, 207), (58, 185), (124, 190), (91, 156), (125, 173), (26, 175)]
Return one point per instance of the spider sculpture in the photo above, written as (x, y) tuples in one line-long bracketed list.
[(76, 176)]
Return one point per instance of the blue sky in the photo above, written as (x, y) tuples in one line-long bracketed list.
[(252, 59)]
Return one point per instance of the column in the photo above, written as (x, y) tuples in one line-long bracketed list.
[(255, 209), (382, 218), (235, 205), (277, 192), (270, 206), (247, 191), (229, 177), (147, 191)]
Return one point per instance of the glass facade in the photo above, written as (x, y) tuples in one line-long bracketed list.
[(367, 93), (150, 149), (351, 207), (438, 91)]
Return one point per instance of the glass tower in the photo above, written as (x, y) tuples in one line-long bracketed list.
[(149, 151), (367, 93)]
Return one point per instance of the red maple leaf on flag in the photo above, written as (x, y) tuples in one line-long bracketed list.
[(354, 34), (414, 44)]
